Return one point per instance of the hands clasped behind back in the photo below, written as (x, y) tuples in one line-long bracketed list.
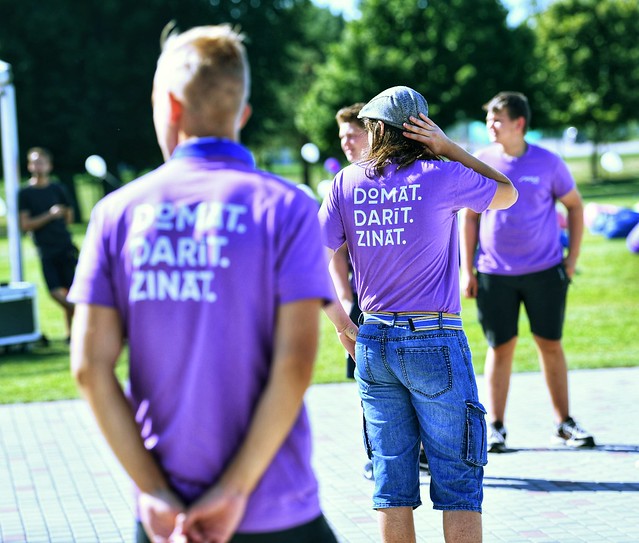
[(211, 519)]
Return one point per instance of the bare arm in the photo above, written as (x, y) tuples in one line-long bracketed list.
[(575, 208), (30, 224), (338, 269), (425, 131), (469, 236), (96, 345), (217, 513), (346, 329), (68, 215)]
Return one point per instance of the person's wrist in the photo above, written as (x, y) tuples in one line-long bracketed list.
[(342, 328)]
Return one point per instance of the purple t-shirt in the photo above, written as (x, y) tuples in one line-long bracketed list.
[(525, 237), (196, 257), (401, 231)]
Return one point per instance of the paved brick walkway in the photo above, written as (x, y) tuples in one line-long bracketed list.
[(60, 483)]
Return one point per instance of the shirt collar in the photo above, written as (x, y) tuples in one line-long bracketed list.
[(213, 147)]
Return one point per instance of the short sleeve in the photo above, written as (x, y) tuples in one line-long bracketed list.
[(92, 283), (330, 219), (474, 191), (563, 181), (63, 194), (302, 268)]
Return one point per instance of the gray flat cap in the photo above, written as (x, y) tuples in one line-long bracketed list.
[(394, 106)]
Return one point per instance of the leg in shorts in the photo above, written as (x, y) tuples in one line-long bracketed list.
[(58, 270), (543, 294), (420, 387)]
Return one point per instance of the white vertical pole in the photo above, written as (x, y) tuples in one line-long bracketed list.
[(11, 165)]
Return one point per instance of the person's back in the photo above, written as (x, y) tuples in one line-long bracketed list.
[(402, 233), (397, 215), (214, 273), (195, 276)]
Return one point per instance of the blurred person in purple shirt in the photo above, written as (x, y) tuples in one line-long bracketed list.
[(515, 256), (213, 273)]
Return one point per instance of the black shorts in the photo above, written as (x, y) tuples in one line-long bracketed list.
[(316, 531), (59, 269), (542, 293)]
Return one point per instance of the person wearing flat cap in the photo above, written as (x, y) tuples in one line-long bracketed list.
[(397, 213)]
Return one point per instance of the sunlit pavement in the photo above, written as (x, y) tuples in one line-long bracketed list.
[(60, 483)]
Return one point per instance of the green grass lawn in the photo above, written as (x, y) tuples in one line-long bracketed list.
[(601, 329)]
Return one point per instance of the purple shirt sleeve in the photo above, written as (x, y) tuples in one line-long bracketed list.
[(92, 283)]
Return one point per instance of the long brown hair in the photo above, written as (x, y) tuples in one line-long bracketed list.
[(392, 147)]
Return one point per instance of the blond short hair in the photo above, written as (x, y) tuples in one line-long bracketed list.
[(206, 68)]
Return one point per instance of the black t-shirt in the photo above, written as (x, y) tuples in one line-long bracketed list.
[(54, 237)]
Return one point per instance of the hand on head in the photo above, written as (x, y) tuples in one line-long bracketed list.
[(425, 131)]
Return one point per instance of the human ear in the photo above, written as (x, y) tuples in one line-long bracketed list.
[(246, 115), (521, 124), (176, 109)]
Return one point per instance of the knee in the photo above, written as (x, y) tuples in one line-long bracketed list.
[(549, 346)]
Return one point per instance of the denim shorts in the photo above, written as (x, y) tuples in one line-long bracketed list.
[(420, 387)]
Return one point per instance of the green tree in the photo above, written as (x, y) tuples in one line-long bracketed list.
[(83, 70), (588, 57), (458, 53)]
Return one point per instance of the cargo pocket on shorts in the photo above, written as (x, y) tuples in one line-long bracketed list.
[(474, 450)]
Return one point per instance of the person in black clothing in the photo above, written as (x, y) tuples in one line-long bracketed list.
[(45, 211)]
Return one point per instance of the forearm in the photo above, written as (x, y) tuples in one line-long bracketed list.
[(69, 216), (338, 270), (458, 154), (335, 311), (274, 417), (95, 348), (469, 236), (30, 224), (575, 231), (117, 423), (281, 401), (426, 132), (338, 316)]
